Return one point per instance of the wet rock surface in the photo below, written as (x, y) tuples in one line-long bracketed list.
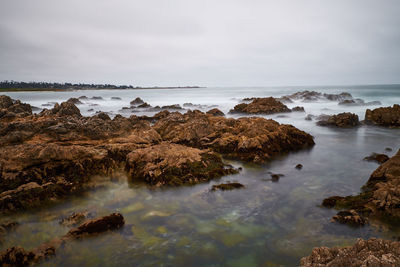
[(17, 256), (268, 105), (172, 164), (386, 116), (342, 120), (372, 252), (311, 96), (379, 158), (380, 196), (227, 186), (48, 156)]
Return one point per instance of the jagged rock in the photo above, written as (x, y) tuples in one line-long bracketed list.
[(144, 105), (63, 109), (372, 252), (10, 109), (342, 120), (298, 109), (380, 158), (172, 164), (74, 101), (350, 217), (137, 101), (386, 116), (215, 112), (380, 196), (227, 186), (175, 106), (17, 256), (110, 222), (268, 105), (251, 139), (311, 96)]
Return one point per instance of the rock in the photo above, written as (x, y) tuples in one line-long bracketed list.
[(388, 149), (116, 98), (342, 120), (11, 109), (5, 102), (250, 139), (175, 106), (227, 186), (380, 158), (309, 117), (298, 109), (96, 98), (90, 110), (75, 219), (16, 256), (268, 105), (74, 101), (63, 109), (372, 252), (386, 116), (350, 217), (312, 96), (299, 166), (380, 196), (275, 177), (83, 97), (144, 105), (6, 227), (110, 222), (358, 102), (137, 101), (172, 164), (215, 112)]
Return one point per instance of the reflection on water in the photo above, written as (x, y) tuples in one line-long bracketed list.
[(265, 224)]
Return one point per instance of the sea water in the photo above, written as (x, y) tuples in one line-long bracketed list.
[(266, 224)]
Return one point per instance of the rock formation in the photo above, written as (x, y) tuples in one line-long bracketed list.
[(268, 105), (372, 252), (342, 120), (387, 116)]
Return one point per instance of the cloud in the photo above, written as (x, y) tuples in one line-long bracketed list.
[(224, 43)]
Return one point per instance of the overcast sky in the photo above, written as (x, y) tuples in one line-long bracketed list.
[(207, 42)]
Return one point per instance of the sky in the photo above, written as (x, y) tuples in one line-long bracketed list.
[(205, 43)]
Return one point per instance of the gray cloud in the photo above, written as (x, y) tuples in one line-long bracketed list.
[(184, 42)]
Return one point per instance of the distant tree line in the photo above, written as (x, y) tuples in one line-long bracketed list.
[(62, 86)]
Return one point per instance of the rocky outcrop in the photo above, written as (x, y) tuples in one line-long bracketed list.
[(358, 102), (13, 109), (227, 186), (172, 164), (250, 139), (47, 156), (137, 101), (380, 196), (372, 252), (215, 112), (268, 105), (17, 256), (312, 96), (298, 109), (387, 116), (342, 120), (379, 158)]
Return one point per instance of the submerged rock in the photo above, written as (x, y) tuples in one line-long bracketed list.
[(350, 217), (227, 186), (380, 196), (75, 218), (17, 256), (386, 116), (172, 164), (299, 166), (379, 158), (372, 252), (268, 105), (342, 120), (116, 98)]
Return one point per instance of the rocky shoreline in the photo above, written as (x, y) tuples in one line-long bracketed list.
[(56, 153)]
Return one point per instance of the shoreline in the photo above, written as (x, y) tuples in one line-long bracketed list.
[(88, 89)]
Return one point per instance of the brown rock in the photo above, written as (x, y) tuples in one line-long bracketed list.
[(137, 101), (342, 120), (268, 105), (350, 217), (372, 252), (298, 109), (172, 164), (110, 222), (227, 186), (16, 256), (215, 112), (387, 116), (380, 158)]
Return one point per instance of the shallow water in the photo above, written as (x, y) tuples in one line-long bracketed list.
[(265, 224)]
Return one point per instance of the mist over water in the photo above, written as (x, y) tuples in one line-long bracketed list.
[(265, 224)]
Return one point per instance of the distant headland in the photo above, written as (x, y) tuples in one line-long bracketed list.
[(46, 86)]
